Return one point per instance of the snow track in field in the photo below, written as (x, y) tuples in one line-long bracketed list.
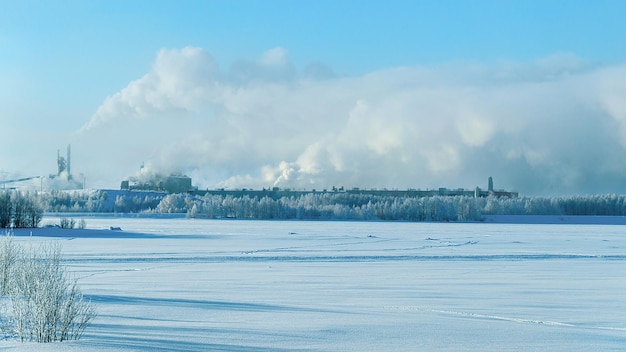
[(251, 257)]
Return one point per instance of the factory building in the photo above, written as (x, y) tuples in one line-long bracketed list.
[(176, 183), (276, 193), (171, 184)]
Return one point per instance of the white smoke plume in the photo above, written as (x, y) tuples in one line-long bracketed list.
[(554, 126)]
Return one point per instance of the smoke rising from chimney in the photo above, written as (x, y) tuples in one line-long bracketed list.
[(552, 126)]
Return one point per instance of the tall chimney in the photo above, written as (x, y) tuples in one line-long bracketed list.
[(60, 163), (69, 162)]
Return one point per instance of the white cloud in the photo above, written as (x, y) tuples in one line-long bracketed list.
[(180, 80), (275, 57), (555, 125)]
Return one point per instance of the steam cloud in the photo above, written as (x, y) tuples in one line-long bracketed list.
[(554, 126)]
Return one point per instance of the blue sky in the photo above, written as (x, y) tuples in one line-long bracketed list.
[(61, 60)]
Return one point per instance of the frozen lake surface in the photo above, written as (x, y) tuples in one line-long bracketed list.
[(211, 285)]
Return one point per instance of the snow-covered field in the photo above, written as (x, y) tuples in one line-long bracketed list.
[(205, 285)]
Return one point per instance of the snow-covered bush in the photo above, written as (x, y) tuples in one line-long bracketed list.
[(45, 303), (67, 223), (9, 252)]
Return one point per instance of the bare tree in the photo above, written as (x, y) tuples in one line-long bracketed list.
[(34, 210), (19, 209), (5, 209)]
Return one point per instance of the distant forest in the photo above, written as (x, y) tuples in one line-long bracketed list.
[(25, 209)]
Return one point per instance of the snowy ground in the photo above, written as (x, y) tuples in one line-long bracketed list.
[(203, 285), (556, 219)]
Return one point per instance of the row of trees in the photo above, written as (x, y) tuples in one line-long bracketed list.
[(344, 206), (110, 201), (20, 209), (25, 209), (328, 207)]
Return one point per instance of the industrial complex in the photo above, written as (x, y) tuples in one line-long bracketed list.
[(62, 179), (276, 193), (179, 183)]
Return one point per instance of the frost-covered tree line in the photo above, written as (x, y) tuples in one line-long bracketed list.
[(329, 206), (345, 206), (20, 209), (26, 208), (101, 201)]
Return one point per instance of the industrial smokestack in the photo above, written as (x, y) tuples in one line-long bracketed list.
[(61, 163), (69, 163)]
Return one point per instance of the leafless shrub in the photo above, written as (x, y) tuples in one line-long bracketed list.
[(45, 303), (67, 223), (9, 252)]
